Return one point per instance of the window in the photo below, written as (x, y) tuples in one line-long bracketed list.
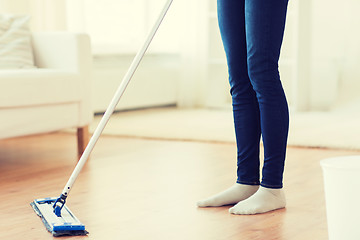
[(120, 26)]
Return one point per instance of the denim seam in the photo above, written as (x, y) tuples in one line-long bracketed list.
[(248, 183), (271, 186)]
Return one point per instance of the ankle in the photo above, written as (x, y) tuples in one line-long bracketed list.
[(278, 192)]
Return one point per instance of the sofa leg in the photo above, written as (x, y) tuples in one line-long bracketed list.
[(82, 139)]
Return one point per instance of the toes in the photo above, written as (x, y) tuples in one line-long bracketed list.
[(201, 204)]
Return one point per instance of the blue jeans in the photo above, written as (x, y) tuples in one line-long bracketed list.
[(252, 33)]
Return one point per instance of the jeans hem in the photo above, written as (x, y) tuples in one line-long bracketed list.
[(271, 186), (248, 183)]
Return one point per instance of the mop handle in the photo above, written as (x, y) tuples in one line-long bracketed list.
[(115, 101)]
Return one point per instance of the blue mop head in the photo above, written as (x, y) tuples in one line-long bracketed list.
[(65, 225)]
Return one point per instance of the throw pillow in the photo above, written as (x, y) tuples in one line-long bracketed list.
[(15, 42)]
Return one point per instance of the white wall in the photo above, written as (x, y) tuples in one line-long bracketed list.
[(118, 30), (335, 53), (333, 41)]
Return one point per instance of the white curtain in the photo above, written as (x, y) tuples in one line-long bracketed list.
[(45, 15), (119, 26)]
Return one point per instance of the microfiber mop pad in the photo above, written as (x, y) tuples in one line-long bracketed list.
[(65, 225)]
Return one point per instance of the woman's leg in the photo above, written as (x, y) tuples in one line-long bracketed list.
[(231, 15), (265, 21), (245, 106)]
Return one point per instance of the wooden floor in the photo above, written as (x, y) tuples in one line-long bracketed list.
[(147, 189)]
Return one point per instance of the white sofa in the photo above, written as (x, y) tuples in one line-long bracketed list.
[(53, 96)]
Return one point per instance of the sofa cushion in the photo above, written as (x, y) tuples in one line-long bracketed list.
[(22, 121), (15, 42), (29, 87)]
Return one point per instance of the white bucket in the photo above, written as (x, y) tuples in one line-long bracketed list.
[(342, 195)]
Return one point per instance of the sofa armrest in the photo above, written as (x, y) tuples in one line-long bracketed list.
[(62, 50)]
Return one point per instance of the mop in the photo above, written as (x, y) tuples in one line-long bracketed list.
[(57, 217)]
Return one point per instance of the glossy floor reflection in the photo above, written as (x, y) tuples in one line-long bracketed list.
[(147, 189)]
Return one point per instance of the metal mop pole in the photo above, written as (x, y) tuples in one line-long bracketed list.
[(58, 205)]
